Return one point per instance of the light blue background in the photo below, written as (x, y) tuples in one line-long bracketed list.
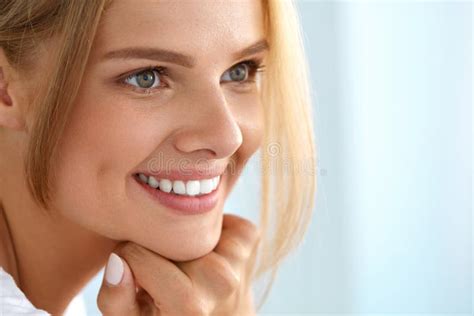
[(392, 228)]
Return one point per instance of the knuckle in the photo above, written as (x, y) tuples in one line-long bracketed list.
[(225, 279), (251, 231), (196, 306), (246, 228), (237, 220), (235, 249)]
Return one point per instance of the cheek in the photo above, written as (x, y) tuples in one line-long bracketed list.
[(251, 121), (103, 141)]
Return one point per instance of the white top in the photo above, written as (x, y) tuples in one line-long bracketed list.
[(14, 302)]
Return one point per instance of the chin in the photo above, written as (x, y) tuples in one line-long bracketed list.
[(189, 249)]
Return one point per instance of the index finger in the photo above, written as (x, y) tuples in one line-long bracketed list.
[(169, 287)]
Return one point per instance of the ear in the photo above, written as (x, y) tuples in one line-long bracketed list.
[(11, 114)]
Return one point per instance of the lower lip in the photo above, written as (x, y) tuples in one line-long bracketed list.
[(183, 204)]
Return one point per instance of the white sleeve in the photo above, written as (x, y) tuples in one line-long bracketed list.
[(13, 301)]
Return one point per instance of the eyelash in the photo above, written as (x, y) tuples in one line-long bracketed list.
[(254, 66)]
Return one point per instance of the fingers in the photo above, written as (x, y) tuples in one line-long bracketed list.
[(238, 239), (213, 275), (218, 273), (117, 295), (245, 229), (171, 289), (185, 288)]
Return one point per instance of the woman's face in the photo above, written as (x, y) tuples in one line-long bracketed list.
[(198, 112)]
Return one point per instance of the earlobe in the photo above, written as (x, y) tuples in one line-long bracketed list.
[(10, 114)]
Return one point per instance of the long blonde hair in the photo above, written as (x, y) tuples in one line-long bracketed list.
[(288, 150)]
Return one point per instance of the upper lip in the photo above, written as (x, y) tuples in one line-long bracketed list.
[(185, 174)]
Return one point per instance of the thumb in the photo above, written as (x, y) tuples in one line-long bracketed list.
[(117, 294)]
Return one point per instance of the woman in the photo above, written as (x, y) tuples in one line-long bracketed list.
[(124, 126)]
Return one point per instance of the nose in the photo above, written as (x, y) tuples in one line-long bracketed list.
[(211, 128)]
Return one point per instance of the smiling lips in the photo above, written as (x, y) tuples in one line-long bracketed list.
[(180, 187)]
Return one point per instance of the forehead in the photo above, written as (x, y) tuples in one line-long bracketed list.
[(197, 27)]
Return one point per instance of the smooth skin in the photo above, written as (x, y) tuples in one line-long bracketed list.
[(195, 114)]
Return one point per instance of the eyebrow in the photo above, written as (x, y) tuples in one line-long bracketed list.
[(176, 57)]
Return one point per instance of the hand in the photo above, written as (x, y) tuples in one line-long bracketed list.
[(154, 285)]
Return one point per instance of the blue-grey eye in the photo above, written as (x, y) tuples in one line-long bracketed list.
[(238, 73), (145, 79)]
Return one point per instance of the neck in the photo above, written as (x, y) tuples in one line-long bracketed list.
[(50, 258), (7, 251)]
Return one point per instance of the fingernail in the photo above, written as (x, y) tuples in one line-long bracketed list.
[(114, 270)]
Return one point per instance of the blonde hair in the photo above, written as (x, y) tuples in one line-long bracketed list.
[(288, 151)]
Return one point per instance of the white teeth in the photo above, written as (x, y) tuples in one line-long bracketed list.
[(143, 177), (166, 185), (216, 182), (179, 187), (191, 187), (153, 182), (206, 186)]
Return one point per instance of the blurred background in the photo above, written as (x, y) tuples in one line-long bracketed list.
[(392, 226)]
